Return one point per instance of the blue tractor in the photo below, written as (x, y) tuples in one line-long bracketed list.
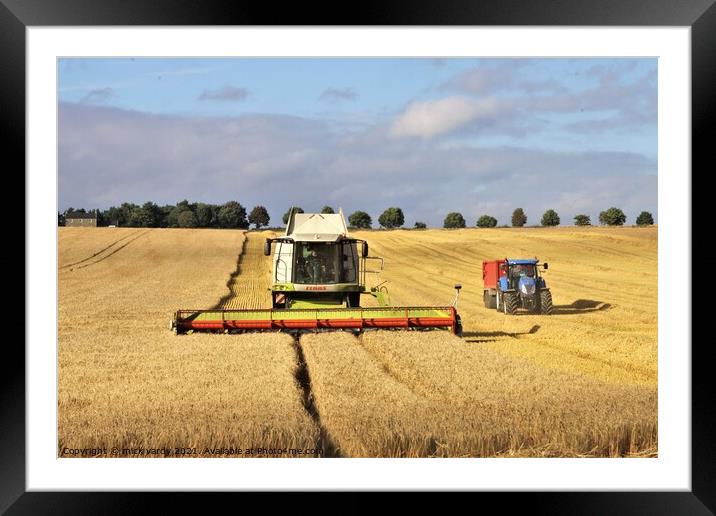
[(511, 284)]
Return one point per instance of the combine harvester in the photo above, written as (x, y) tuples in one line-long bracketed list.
[(318, 279)]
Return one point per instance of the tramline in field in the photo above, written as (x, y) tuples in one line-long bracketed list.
[(318, 277)]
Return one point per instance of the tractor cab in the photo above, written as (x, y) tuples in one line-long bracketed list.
[(524, 271)]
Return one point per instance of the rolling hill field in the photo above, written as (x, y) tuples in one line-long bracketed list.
[(581, 382)]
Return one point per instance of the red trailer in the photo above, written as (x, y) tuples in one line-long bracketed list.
[(492, 270)]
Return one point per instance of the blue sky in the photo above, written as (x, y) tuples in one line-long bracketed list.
[(429, 135)]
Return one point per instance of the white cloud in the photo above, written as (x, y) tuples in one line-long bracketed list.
[(433, 118), (108, 156)]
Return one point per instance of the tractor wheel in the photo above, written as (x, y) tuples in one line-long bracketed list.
[(490, 300), (509, 303), (545, 302)]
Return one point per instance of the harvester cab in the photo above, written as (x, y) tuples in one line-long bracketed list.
[(316, 264), (318, 277), (513, 284)]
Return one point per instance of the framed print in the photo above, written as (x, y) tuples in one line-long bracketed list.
[(417, 250)]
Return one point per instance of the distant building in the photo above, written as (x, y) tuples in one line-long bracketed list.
[(83, 220)]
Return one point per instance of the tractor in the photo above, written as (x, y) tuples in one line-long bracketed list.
[(513, 284)]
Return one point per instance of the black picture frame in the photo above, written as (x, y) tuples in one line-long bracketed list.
[(700, 15)]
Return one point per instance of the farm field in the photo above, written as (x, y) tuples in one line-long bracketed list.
[(581, 382), (416, 395), (126, 381), (603, 282)]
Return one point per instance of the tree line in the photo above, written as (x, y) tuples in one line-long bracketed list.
[(610, 217), (233, 215), (181, 215)]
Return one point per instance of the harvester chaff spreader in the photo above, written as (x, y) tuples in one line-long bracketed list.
[(318, 278)]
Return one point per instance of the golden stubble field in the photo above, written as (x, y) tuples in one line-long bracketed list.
[(603, 282), (126, 381), (579, 383)]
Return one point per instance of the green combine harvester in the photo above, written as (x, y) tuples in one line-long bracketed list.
[(319, 275)]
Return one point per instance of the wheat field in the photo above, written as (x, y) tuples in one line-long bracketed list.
[(126, 381), (423, 394), (603, 283), (581, 382)]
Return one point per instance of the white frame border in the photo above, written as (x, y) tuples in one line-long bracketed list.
[(670, 471)]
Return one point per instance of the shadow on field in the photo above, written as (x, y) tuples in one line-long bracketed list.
[(490, 336), (581, 306), (225, 298)]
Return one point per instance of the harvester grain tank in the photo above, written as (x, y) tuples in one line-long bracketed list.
[(318, 279), (511, 284)]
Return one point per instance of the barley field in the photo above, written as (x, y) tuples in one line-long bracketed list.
[(581, 382)]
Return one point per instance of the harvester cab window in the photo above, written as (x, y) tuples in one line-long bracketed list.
[(350, 262), (317, 263)]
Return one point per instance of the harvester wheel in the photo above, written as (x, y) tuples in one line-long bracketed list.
[(545, 302), (458, 326), (509, 303)]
